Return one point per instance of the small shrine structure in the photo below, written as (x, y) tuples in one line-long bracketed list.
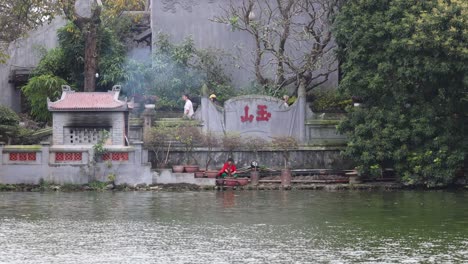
[(80, 118), (81, 121)]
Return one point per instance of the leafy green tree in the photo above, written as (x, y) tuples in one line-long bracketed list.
[(179, 68), (91, 28), (65, 65), (172, 71), (408, 61), (38, 89)]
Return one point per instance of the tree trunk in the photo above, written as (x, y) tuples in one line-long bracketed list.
[(90, 63), (89, 26)]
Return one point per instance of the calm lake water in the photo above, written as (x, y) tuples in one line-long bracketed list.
[(234, 227)]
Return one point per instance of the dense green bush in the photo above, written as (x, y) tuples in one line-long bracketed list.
[(9, 121), (38, 89), (408, 61), (328, 100)]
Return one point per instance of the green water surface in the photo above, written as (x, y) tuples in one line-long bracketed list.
[(234, 227)]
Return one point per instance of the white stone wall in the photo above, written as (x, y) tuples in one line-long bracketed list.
[(135, 170), (255, 115)]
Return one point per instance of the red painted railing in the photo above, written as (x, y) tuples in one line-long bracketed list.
[(22, 156)]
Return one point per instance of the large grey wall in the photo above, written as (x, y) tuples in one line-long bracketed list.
[(182, 18), (24, 54)]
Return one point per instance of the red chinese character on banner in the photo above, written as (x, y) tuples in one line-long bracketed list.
[(262, 113), (247, 117)]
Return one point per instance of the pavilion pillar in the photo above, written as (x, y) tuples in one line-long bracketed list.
[(148, 118)]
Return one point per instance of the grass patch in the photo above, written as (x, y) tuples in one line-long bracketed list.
[(7, 187), (70, 187), (98, 185)]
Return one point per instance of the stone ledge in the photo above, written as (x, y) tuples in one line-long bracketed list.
[(22, 148), (168, 177)]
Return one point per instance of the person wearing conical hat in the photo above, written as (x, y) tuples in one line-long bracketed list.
[(213, 99)]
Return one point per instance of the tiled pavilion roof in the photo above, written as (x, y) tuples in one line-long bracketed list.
[(88, 101)]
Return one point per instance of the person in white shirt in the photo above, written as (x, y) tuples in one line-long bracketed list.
[(188, 107), (285, 100)]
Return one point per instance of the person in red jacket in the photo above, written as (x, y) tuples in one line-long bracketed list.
[(229, 169)]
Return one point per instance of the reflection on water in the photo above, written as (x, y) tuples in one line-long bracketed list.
[(227, 227)]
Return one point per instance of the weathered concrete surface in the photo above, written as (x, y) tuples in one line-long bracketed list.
[(169, 177), (74, 174), (324, 133), (25, 54), (304, 158), (264, 116), (183, 18), (115, 121), (267, 117)]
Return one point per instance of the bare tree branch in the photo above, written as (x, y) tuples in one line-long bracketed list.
[(292, 38)]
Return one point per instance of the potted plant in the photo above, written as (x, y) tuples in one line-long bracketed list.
[(188, 135), (285, 145), (158, 141), (210, 141), (254, 144)]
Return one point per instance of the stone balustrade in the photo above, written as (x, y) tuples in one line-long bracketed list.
[(73, 164)]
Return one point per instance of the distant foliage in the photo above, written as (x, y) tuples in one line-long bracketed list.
[(53, 62), (19, 17), (172, 73), (157, 141), (328, 100), (3, 57), (114, 8), (188, 135), (99, 148), (179, 68), (407, 61), (8, 117), (38, 89), (65, 65), (8, 124)]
